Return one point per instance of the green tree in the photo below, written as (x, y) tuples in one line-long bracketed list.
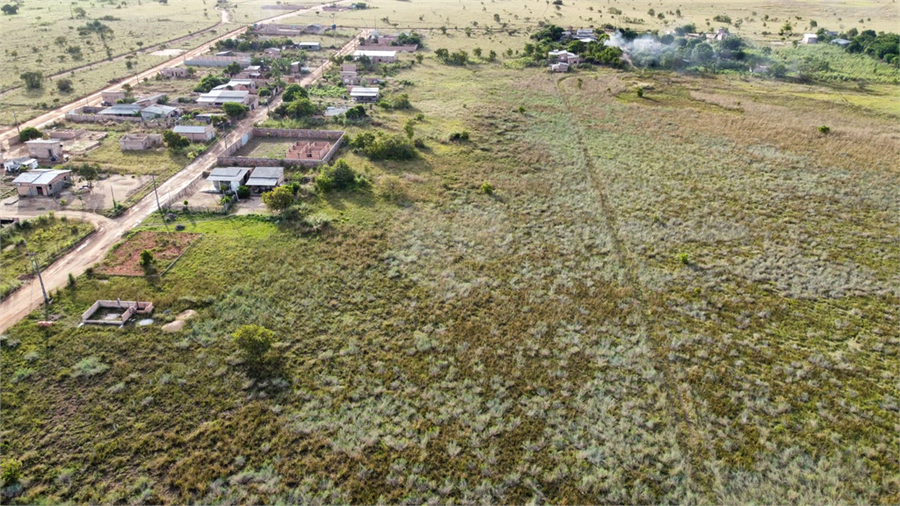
[(233, 68), (254, 342), (477, 52), (33, 80), (234, 109), (279, 199), (293, 92), (64, 85), (146, 260), (29, 133), (409, 129), (175, 141), (89, 172)]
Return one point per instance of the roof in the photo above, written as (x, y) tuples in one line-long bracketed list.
[(162, 110), (359, 91), (223, 95), (266, 176), (309, 43), (228, 174), (190, 129), (40, 176), (335, 111), (43, 141), (121, 110), (374, 54)]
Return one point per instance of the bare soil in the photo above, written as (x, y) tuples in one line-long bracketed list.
[(125, 259)]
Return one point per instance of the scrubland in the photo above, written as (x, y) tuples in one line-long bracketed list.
[(688, 297)]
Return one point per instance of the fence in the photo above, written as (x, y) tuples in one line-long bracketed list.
[(227, 160)]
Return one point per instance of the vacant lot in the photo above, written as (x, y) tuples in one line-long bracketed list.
[(688, 297), (266, 148), (124, 259), (47, 237)]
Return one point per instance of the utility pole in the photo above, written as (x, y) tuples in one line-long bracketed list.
[(161, 214), (16, 118), (37, 271)]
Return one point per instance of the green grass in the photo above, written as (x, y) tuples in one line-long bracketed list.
[(543, 343), (48, 237), (110, 157)]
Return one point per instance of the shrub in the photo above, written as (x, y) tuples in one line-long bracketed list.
[(391, 188), (640, 92), (10, 471), (64, 85), (279, 199), (337, 177), (243, 192), (487, 188), (175, 141), (684, 259), (29, 133), (254, 342), (824, 130), (384, 147), (459, 136), (234, 110), (146, 259)]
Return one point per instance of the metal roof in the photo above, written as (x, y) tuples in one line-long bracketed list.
[(121, 110), (359, 91), (189, 129), (162, 110), (268, 172), (43, 141), (373, 54), (45, 176), (228, 174)]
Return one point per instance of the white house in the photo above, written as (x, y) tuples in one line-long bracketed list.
[(219, 97), (376, 56), (810, 38), (228, 178), (361, 94)]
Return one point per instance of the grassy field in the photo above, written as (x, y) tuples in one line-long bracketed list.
[(110, 157), (685, 297), (46, 236)]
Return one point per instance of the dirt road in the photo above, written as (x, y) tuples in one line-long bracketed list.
[(93, 249), (41, 121)]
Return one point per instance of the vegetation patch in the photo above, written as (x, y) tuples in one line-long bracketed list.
[(130, 258)]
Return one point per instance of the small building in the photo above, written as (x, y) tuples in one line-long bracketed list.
[(121, 110), (149, 100), (361, 94), (14, 165), (251, 72), (110, 97), (376, 56), (218, 97), (42, 182), (45, 149), (158, 112), (309, 46), (721, 34), (229, 178), (239, 85), (140, 142), (264, 179), (585, 35), (841, 42), (216, 61), (563, 56), (272, 52), (202, 133), (810, 38), (559, 67), (176, 72)]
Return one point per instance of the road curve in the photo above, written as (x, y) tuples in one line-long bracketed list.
[(94, 248)]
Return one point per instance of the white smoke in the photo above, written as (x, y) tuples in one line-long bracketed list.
[(644, 44)]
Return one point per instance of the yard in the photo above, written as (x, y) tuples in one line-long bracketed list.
[(261, 147), (47, 236), (685, 297), (124, 259)]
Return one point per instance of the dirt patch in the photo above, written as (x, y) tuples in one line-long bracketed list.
[(125, 259)]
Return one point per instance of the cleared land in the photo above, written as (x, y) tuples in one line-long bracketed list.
[(124, 259), (688, 297)]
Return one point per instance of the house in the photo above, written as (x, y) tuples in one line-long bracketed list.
[(208, 118), (111, 97), (14, 165), (176, 72), (264, 179), (216, 61), (204, 133), (150, 100), (238, 84), (563, 56), (348, 74), (721, 34), (585, 35), (251, 72), (360, 94), (140, 142), (810, 38), (121, 110), (45, 149), (42, 182), (559, 67), (228, 178), (841, 42), (218, 97), (309, 46), (272, 52), (158, 112), (376, 56)]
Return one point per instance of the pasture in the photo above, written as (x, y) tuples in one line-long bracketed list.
[(684, 297)]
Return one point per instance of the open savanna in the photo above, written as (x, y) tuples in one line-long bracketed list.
[(685, 298)]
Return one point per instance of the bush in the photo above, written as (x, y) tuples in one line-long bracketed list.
[(29, 133), (487, 188), (243, 192), (146, 259), (459, 136), (391, 188), (824, 130), (337, 177), (640, 92), (64, 85), (279, 199), (254, 342), (175, 141), (10, 471), (234, 110), (384, 147)]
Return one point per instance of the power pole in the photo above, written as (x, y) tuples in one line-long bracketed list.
[(37, 270), (163, 216), (16, 118)]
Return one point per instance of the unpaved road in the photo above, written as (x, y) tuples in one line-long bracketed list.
[(10, 134), (94, 248)]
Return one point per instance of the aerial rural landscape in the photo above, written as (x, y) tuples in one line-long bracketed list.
[(423, 252)]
